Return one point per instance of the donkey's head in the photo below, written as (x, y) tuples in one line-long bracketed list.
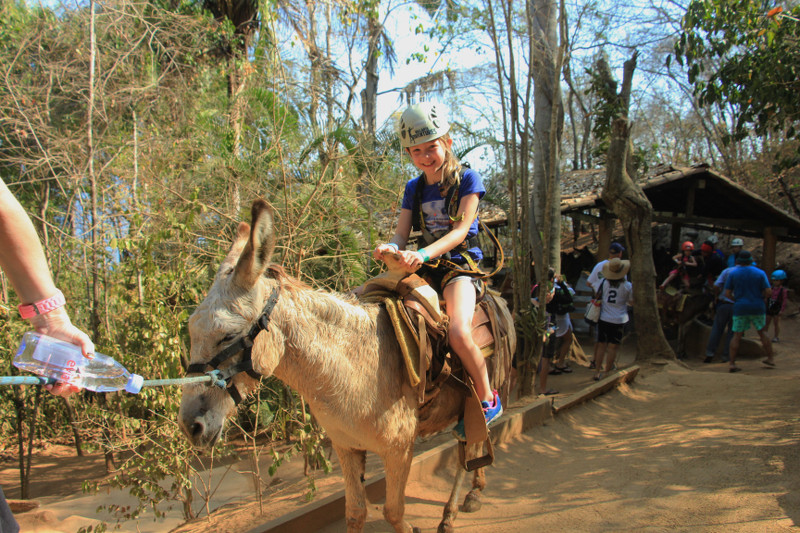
[(225, 324)]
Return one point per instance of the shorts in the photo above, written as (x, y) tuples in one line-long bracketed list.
[(742, 323), (563, 325), (610, 333), (434, 277)]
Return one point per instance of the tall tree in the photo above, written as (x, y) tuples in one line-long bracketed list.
[(746, 58), (628, 202)]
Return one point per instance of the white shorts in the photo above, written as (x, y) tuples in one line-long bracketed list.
[(563, 325)]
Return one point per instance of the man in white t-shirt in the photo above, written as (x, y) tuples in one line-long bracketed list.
[(615, 250)]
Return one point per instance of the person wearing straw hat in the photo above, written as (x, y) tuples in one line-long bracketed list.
[(616, 294)]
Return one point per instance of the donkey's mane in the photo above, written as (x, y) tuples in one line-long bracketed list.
[(331, 307)]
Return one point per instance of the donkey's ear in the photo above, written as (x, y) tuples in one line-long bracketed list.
[(258, 250), (239, 242)]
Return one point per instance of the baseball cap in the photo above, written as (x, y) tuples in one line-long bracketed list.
[(616, 248), (744, 258)]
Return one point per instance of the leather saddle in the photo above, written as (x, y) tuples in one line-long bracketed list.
[(420, 326)]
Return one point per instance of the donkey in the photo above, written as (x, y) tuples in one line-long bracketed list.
[(679, 311), (341, 355)]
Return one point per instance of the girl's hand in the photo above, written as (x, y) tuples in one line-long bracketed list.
[(381, 249), (410, 259)]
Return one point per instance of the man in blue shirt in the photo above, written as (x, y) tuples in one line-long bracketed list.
[(747, 286)]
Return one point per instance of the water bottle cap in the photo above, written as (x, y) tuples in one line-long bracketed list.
[(134, 384)]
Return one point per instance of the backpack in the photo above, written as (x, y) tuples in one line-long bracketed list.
[(562, 300), (774, 304)]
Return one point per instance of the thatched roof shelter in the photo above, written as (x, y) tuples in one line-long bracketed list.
[(696, 196)]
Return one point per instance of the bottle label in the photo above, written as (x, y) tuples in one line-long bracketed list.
[(56, 361)]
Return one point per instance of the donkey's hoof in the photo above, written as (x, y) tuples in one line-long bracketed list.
[(416, 530), (445, 528), (472, 502)]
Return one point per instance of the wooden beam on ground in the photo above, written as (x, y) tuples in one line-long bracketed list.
[(596, 389)]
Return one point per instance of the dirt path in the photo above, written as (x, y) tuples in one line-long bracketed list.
[(686, 447), (681, 449)]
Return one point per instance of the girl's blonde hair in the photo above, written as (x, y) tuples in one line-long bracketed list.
[(451, 168)]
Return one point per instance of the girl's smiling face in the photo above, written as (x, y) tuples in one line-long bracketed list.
[(429, 157)]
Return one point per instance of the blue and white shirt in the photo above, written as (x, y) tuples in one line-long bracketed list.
[(434, 209)]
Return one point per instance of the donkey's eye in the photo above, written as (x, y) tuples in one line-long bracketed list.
[(227, 338)]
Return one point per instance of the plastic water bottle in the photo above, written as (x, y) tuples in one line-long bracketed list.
[(64, 362)]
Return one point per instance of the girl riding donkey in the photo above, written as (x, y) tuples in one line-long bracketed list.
[(443, 203)]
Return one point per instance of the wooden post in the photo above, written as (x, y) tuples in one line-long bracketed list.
[(768, 255), (675, 238)]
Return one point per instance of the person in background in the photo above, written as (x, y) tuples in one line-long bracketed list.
[(713, 264), (713, 240), (548, 344), (776, 303), (559, 329), (748, 286), (616, 294), (615, 251), (560, 307), (736, 247), (23, 262), (685, 261), (723, 319)]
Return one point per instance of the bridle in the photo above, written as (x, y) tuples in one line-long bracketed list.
[(223, 378)]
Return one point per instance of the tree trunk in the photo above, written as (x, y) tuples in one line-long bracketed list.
[(73, 423), (545, 214), (627, 200)]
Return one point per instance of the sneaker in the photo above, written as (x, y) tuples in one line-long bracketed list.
[(458, 432), (708, 359), (556, 371), (566, 369), (591, 364), (490, 412), (775, 339)]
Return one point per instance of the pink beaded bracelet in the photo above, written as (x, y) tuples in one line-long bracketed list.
[(43, 306)]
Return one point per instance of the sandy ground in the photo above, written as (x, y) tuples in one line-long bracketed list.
[(686, 447)]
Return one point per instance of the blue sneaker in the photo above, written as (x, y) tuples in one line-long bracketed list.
[(491, 412)]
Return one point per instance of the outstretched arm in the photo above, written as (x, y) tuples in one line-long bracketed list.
[(22, 259)]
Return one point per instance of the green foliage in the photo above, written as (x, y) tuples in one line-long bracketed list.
[(741, 55), (174, 177)]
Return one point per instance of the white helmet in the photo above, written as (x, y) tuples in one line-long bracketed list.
[(737, 242), (713, 239), (421, 123)]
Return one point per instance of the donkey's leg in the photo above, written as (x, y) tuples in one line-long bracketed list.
[(353, 466), (472, 502), (397, 465), (451, 507)]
